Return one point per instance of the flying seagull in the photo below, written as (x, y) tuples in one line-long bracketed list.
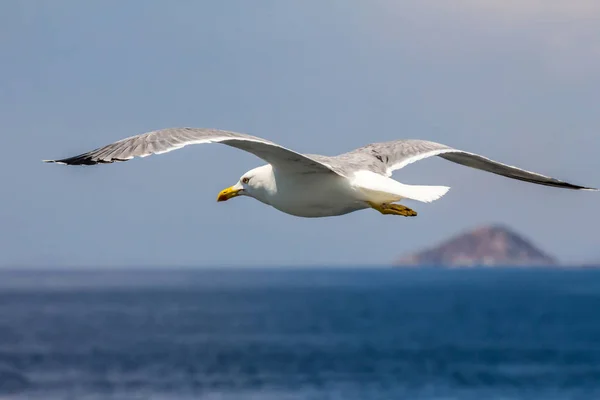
[(310, 185)]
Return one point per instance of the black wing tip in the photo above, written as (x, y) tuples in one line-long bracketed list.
[(554, 183), (84, 159), (576, 187), (567, 185), (72, 161), (61, 162)]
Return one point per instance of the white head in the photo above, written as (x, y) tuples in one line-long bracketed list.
[(258, 183)]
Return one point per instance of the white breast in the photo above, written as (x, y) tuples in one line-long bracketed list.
[(314, 195)]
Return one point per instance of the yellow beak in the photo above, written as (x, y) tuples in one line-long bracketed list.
[(228, 193)]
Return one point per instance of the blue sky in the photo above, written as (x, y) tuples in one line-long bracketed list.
[(516, 81)]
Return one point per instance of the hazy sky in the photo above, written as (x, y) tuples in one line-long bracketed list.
[(517, 81)]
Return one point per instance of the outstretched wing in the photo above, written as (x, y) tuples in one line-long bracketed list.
[(165, 140), (399, 153)]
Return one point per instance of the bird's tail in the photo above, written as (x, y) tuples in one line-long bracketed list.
[(426, 194), (379, 188)]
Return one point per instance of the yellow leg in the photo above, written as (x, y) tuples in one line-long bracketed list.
[(393, 209)]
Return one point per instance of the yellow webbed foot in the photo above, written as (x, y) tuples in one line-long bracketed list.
[(393, 209)]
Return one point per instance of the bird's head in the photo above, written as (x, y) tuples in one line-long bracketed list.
[(257, 183)]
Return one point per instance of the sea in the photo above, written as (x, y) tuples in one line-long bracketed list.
[(303, 333)]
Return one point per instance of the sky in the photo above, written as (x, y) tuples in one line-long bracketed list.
[(516, 81)]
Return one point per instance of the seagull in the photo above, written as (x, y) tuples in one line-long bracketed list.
[(311, 185)]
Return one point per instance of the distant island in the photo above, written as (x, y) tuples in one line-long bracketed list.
[(492, 245)]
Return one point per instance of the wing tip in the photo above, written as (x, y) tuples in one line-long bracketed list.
[(86, 159), (571, 186), (568, 185), (53, 162), (72, 161), (59, 162)]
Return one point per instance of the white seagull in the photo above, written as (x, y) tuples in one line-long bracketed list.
[(309, 185)]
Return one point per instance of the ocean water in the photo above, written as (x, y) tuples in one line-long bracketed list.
[(300, 334)]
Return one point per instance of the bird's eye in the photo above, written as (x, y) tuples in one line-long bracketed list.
[(245, 180)]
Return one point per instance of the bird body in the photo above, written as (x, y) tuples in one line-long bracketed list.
[(313, 195), (310, 185)]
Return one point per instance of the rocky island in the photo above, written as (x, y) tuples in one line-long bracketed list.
[(493, 245)]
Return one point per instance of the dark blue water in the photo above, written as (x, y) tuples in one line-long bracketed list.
[(312, 334)]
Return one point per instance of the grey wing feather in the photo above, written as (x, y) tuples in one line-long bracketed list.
[(399, 153), (165, 140)]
